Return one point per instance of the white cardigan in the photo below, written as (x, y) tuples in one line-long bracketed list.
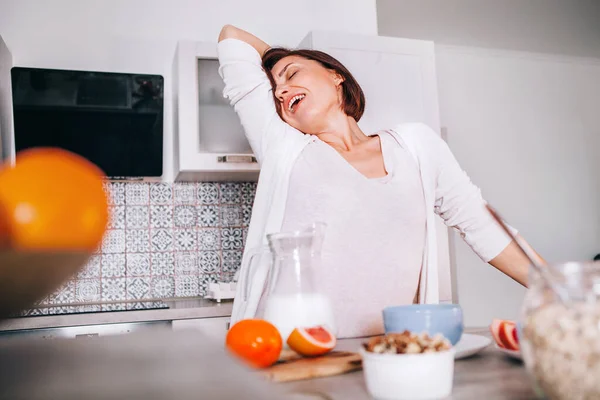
[(448, 191)]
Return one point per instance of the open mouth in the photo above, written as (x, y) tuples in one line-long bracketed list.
[(294, 102)]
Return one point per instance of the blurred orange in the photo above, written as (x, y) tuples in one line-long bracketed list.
[(52, 199), (255, 341)]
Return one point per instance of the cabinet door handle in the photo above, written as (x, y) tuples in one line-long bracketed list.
[(233, 159)]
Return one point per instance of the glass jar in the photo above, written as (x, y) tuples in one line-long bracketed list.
[(560, 344)]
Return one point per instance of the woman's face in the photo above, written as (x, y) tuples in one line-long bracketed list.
[(308, 93)]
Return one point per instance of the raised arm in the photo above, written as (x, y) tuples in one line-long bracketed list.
[(460, 204), (249, 91), (231, 32)]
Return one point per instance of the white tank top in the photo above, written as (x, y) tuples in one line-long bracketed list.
[(373, 247)]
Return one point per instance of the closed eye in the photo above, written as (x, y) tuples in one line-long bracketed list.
[(292, 75)]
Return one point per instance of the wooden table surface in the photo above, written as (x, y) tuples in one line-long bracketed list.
[(187, 365)]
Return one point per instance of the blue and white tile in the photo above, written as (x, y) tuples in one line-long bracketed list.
[(231, 215), (248, 191), (138, 241), (244, 235), (232, 239), (87, 290), (113, 265), (137, 217), (61, 310), (88, 308), (161, 216), (184, 216), (232, 259), (185, 240), (210, 262), (116, 217), (143, 305), (186, 285), (113, 289), (138, 288), (114, 307), (113, 241), (91, 269), (209, 239), (161, 193), (208, 216), (204, 280), (231, 192), (35, 311), (64, 294), (163, 286), (162, 263), (208, 193), (184, 193), (137, 193), (186, 264), (138, 264), (246, 214), (227, 277), (161, 240), (115, 192)]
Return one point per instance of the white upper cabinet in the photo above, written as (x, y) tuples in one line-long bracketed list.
[(398, 78), (209, 139), (6, 116)]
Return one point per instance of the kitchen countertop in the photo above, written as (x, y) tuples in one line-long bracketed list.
[(177, 309), (183, 365), (487, 375)]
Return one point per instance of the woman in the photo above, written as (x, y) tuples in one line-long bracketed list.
[(377, 193)]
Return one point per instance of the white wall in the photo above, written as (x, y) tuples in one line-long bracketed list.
[(141, 35), (551, 26), (524, 126)]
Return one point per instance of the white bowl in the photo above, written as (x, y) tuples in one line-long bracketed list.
[(408, 376)]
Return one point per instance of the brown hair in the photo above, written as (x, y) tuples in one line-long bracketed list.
[(353, 98)]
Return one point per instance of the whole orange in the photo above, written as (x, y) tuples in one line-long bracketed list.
[(255, 341), (53, 199)]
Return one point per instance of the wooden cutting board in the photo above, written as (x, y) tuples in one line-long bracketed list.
[(292, 367)]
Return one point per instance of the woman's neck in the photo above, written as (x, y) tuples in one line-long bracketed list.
[(343, 134)]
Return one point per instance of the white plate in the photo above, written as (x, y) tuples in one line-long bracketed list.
[(511, 353), (469, 345)]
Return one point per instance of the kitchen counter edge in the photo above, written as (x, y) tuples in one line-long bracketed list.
[(184, 310)]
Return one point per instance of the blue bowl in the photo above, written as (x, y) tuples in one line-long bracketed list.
[(446, 319)]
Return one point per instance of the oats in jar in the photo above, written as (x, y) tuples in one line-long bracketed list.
[(561, 348)]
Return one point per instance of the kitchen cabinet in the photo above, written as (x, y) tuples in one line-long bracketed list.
[(398, 78), (215, 328), (6, 116), (209, 139)]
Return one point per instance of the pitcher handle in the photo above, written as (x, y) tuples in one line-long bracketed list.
[(252, 253)]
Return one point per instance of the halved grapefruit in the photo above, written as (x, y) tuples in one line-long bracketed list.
[(313, 341), (508, 335), (505, 334), (495, 330)]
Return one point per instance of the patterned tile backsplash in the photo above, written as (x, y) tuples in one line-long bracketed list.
[(163, 240)]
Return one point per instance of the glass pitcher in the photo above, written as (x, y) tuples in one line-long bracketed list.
[(283, 273)]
